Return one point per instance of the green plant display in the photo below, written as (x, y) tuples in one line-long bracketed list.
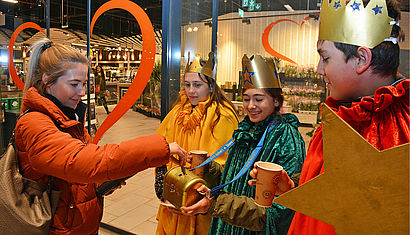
[(150, 100)]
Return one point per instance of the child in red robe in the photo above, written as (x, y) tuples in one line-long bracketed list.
[(359, 68)]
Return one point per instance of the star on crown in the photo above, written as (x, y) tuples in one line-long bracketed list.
[(377, 10), (337, 5), (356, 6), (248, 76)]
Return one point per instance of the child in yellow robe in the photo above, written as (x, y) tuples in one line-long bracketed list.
[(202, 119)]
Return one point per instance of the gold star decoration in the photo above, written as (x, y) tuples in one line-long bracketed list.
[(362, 190)]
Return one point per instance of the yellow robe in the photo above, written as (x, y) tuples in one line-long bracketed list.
[(192, 131)]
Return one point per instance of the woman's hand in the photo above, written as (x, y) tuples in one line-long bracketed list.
[(174, 148), (202, 206), (285, 183)]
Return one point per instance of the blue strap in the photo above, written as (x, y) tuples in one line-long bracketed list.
[(220, 151), (250, 160)]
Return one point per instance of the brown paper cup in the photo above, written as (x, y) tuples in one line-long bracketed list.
[(198, 157), (266, 182)]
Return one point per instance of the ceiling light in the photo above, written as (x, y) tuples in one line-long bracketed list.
[(195, 29), (11, 1), (3, 59), (288, 7), (189, 29)]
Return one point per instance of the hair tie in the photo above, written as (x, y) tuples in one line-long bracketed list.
[(47, 45), (391, 39)]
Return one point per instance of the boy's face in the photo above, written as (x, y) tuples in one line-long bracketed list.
[(340, 76)]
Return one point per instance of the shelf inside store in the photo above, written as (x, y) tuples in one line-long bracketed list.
[(117, 62)]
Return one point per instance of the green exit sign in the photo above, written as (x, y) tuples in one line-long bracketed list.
[(240, 12), (245, 3), (251, 8), (258, 6)]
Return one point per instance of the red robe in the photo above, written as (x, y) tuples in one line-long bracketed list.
[(383, 120)]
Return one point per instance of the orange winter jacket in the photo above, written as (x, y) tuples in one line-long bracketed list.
[(49, 143)]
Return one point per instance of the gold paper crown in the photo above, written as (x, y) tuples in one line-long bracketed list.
[(196, 65), (353, 24), (259, 72)]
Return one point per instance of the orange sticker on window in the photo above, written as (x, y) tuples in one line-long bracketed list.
[(146, 65), (12, 69)]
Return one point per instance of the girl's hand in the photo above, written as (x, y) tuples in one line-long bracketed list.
[(285, 183), (202, 206)]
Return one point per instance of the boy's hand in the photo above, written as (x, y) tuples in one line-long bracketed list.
[(285, 183)]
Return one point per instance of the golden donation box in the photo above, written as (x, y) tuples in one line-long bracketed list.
[(180, 187)]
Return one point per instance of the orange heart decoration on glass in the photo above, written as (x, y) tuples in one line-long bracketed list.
[(13, 38), (265, 41), (146, 65)]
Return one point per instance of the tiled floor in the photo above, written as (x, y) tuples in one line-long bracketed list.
[(133, 208)]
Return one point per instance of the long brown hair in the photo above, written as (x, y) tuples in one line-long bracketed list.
[(216, 95), (52, 60), (101, 73)]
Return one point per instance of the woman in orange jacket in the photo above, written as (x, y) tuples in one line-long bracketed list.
[(51, 140)]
